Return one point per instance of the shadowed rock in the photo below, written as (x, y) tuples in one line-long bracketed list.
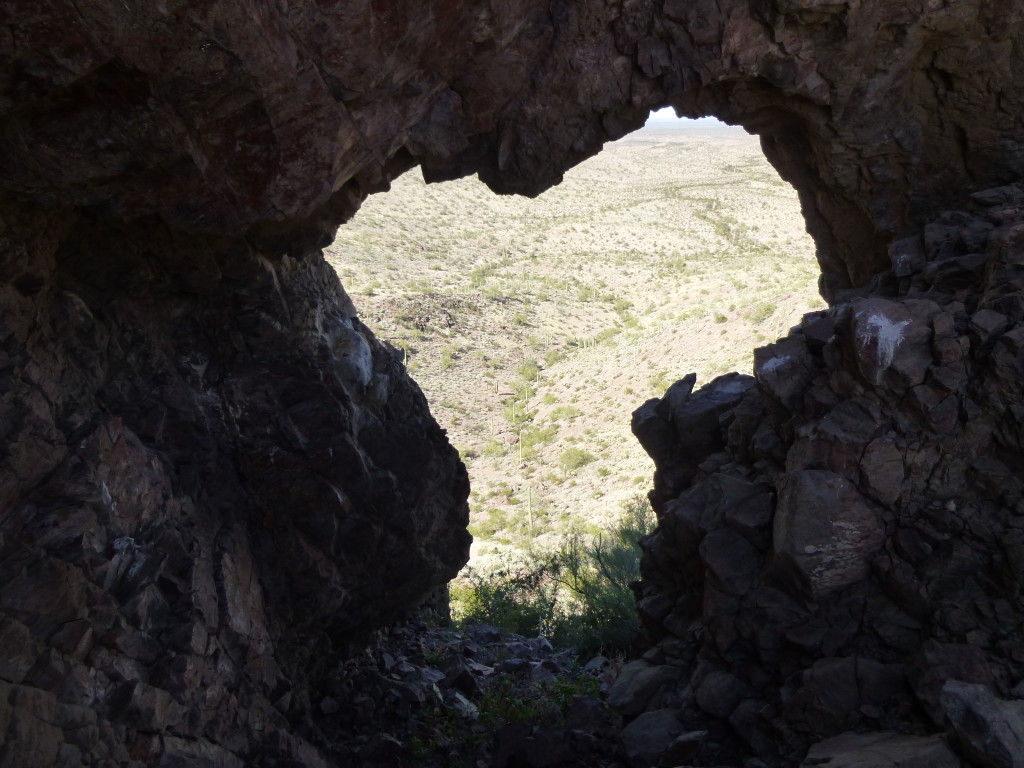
[(893, 562)]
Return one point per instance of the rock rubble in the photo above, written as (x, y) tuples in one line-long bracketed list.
[(426, 696)]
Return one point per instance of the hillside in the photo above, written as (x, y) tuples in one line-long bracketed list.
[(535, 327)]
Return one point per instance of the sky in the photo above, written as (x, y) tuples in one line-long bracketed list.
[(667, 115)]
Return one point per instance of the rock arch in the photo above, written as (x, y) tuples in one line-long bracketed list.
[(209, 463)]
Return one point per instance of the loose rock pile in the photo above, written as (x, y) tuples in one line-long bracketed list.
[(435, 697), (840, 536)]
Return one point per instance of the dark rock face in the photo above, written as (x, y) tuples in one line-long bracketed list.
[(208, 480), (213, 479), (854, 545), (276, 121)]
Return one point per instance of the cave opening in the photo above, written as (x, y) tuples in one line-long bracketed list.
[(535, 326), (216, 485)]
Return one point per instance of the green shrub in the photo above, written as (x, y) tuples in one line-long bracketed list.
[(598, 573), (448, 355), (528, 370), (515, 412), (486, 528), (552, 357), (659, 382), (761, 312), (580, 596), (574, 458), (493, 449), (466, 453), (532, 437), (518, 597), (565, 412)]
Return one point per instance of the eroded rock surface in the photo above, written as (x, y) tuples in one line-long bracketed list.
[(213, 479)]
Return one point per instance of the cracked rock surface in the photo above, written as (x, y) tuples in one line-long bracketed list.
[(842, 551)]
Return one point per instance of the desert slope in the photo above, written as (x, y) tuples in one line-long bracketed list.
[(677, 249)]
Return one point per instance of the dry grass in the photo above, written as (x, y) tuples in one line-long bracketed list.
[(672, 251)]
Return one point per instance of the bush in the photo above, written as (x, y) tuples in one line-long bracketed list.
[(580, 596), (574, 458), (659, 382), (518, 597), (761, 313), (552, 357), (565, 412), (466, 453), (532, 437), (493, 449), (598, 573), (487, 528), (515, 411), (528, 370), (448, 355)]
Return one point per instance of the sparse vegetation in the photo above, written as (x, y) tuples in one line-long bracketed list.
[(535, 327), (761, 312), (659, 382)]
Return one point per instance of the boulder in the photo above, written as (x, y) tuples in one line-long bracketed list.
[(989, 730), (650, 735), (826, 529), (637, 684), (882, 750)]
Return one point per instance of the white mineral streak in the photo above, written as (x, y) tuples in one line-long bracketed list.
[(887, 335), (773, 363)]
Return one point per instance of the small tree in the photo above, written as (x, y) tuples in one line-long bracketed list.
[(581, 596), (599, 573)]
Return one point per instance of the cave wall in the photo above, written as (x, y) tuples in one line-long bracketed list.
[(215, 484), (275, 121), (840, 534), (214, 481)]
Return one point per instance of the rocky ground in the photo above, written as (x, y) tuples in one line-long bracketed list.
[(423, 696), (428, 696)]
